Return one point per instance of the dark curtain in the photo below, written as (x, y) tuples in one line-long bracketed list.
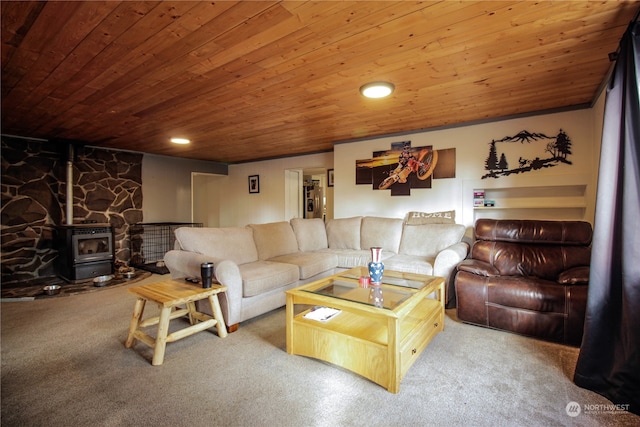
[(609, 359)]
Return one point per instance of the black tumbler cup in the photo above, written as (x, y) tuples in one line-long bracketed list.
[(206, 271)]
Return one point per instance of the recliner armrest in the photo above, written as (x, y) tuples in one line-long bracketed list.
[(478, 267), (575, 276)]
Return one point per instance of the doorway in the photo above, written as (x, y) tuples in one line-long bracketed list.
[(307, 194)]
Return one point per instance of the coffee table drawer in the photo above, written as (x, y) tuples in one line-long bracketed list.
[(420, 337)]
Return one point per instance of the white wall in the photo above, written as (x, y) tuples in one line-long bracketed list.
[(239, 208), (166, 186), (472, 147), (206, 198)]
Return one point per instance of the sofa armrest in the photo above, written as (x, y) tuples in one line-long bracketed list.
[(478, 267), (448, 258), (575, 276), (187, 264), (228, 274), (183, 264)]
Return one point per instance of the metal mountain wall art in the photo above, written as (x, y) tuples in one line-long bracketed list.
[(549, 151)]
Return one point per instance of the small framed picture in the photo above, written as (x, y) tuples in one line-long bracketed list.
[(330, 177), (254, 183)]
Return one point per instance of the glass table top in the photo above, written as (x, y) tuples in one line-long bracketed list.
[(396, 287), (378, 296), (389, 280)]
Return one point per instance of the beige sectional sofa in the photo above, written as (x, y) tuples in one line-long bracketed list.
[(259, 262)]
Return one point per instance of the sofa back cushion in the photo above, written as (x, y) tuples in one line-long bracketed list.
[(235, 244), (534, 231), (383, 232), (274, 239), (428, 240), (542, 261), (344, 233), (543, 249), (310, 233)]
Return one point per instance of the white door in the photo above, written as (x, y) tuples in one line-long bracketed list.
[(293, 193)]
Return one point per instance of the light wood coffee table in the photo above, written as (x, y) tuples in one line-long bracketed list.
[(379, 343), (169, 295)]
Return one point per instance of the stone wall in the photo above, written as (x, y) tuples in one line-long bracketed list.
[(107, 189)]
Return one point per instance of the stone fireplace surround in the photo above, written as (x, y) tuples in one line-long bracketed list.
[(107, 189)]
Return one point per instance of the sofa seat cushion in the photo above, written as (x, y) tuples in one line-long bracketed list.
[(311, 233), (410, 264), (263, 276), (235, 244), (310, 263), (527, 293), (274, 239)]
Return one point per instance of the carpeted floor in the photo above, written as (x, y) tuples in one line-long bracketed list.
[(64, 363)]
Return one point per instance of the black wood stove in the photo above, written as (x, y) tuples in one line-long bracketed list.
[(85, 251)]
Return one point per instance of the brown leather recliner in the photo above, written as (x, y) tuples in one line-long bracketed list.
[(528, 277)]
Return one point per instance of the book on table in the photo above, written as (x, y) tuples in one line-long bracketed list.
[(322, 314)]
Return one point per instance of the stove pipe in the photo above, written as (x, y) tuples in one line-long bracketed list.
[(70, 186)]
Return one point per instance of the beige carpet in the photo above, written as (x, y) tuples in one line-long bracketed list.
[(64, 364)]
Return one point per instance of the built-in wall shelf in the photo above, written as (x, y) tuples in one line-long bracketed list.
[(570, 196), (559, 197)]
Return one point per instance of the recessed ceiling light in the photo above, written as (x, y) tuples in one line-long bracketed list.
[(180, 140), (377, 89)]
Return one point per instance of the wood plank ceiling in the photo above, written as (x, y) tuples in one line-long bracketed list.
[(251, 80)]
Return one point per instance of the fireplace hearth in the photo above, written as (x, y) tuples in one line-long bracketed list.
[(85, 251)]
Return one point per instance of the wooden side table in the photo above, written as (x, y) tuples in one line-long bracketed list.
[(169, 295)]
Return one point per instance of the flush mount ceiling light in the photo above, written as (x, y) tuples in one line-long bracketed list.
[(180, 140), (377, 89)]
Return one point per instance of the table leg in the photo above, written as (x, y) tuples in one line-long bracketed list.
[(217, 314), (161, 339), (289, 324), (192, 309), (135, 322)]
